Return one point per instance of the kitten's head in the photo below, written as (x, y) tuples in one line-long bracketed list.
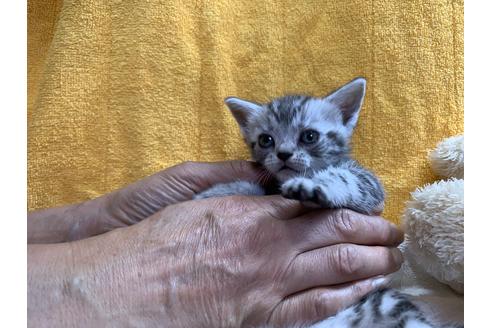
[(297, 135)]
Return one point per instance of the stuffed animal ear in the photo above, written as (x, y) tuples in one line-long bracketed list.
[(348, 99), (448, 159), (242, 110)]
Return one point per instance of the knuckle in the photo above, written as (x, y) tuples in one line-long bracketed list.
[(274, 210), (260, 234), (321, 306), (347, 260), (358, 291), (345, 223)]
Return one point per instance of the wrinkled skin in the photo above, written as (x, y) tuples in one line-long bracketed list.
[(224, 262), (136, 201)]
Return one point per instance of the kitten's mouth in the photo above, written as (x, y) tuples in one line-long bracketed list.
[(285, 167)]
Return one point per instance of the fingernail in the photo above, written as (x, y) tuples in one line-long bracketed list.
[(397, 255), (399, 232), (379, 282)]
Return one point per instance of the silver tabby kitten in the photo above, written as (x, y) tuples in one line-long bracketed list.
[(304, 142)]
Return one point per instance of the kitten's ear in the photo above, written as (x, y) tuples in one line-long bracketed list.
[(242, 110), (349, 100)]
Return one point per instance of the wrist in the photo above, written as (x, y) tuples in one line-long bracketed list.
[(79, 283), (107, 280), (52, 299)]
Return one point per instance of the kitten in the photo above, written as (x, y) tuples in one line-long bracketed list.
[(384, 308), (304, 142)]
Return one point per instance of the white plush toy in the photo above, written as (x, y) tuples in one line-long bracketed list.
[(433, 271)]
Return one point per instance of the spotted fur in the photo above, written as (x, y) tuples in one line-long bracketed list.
[(385, 308), (320, 173)]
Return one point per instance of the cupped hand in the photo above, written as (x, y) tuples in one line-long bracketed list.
[(135, 202), (229, 262), (176, 184)]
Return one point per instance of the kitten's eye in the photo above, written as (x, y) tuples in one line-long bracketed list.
[(265, 140), (309, 136)]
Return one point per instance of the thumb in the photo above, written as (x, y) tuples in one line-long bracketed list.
[(199, 176), (177, 184)]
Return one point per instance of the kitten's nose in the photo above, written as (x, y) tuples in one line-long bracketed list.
[(284, 156)]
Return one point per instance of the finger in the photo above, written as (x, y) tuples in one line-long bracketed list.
[(341, 263), (310, 306), (181, 182), (329, 227), (200, 176)]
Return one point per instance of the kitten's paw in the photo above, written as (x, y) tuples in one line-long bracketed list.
[(306, 190)]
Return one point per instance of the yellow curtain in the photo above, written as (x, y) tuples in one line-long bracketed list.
[(120, 89)]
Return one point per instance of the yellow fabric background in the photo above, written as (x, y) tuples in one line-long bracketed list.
[(120, 89)]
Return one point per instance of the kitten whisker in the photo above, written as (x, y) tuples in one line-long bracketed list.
[(264, 176)]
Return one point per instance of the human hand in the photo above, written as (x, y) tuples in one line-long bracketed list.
[(176, 184), (224, 262), (136, 201)]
